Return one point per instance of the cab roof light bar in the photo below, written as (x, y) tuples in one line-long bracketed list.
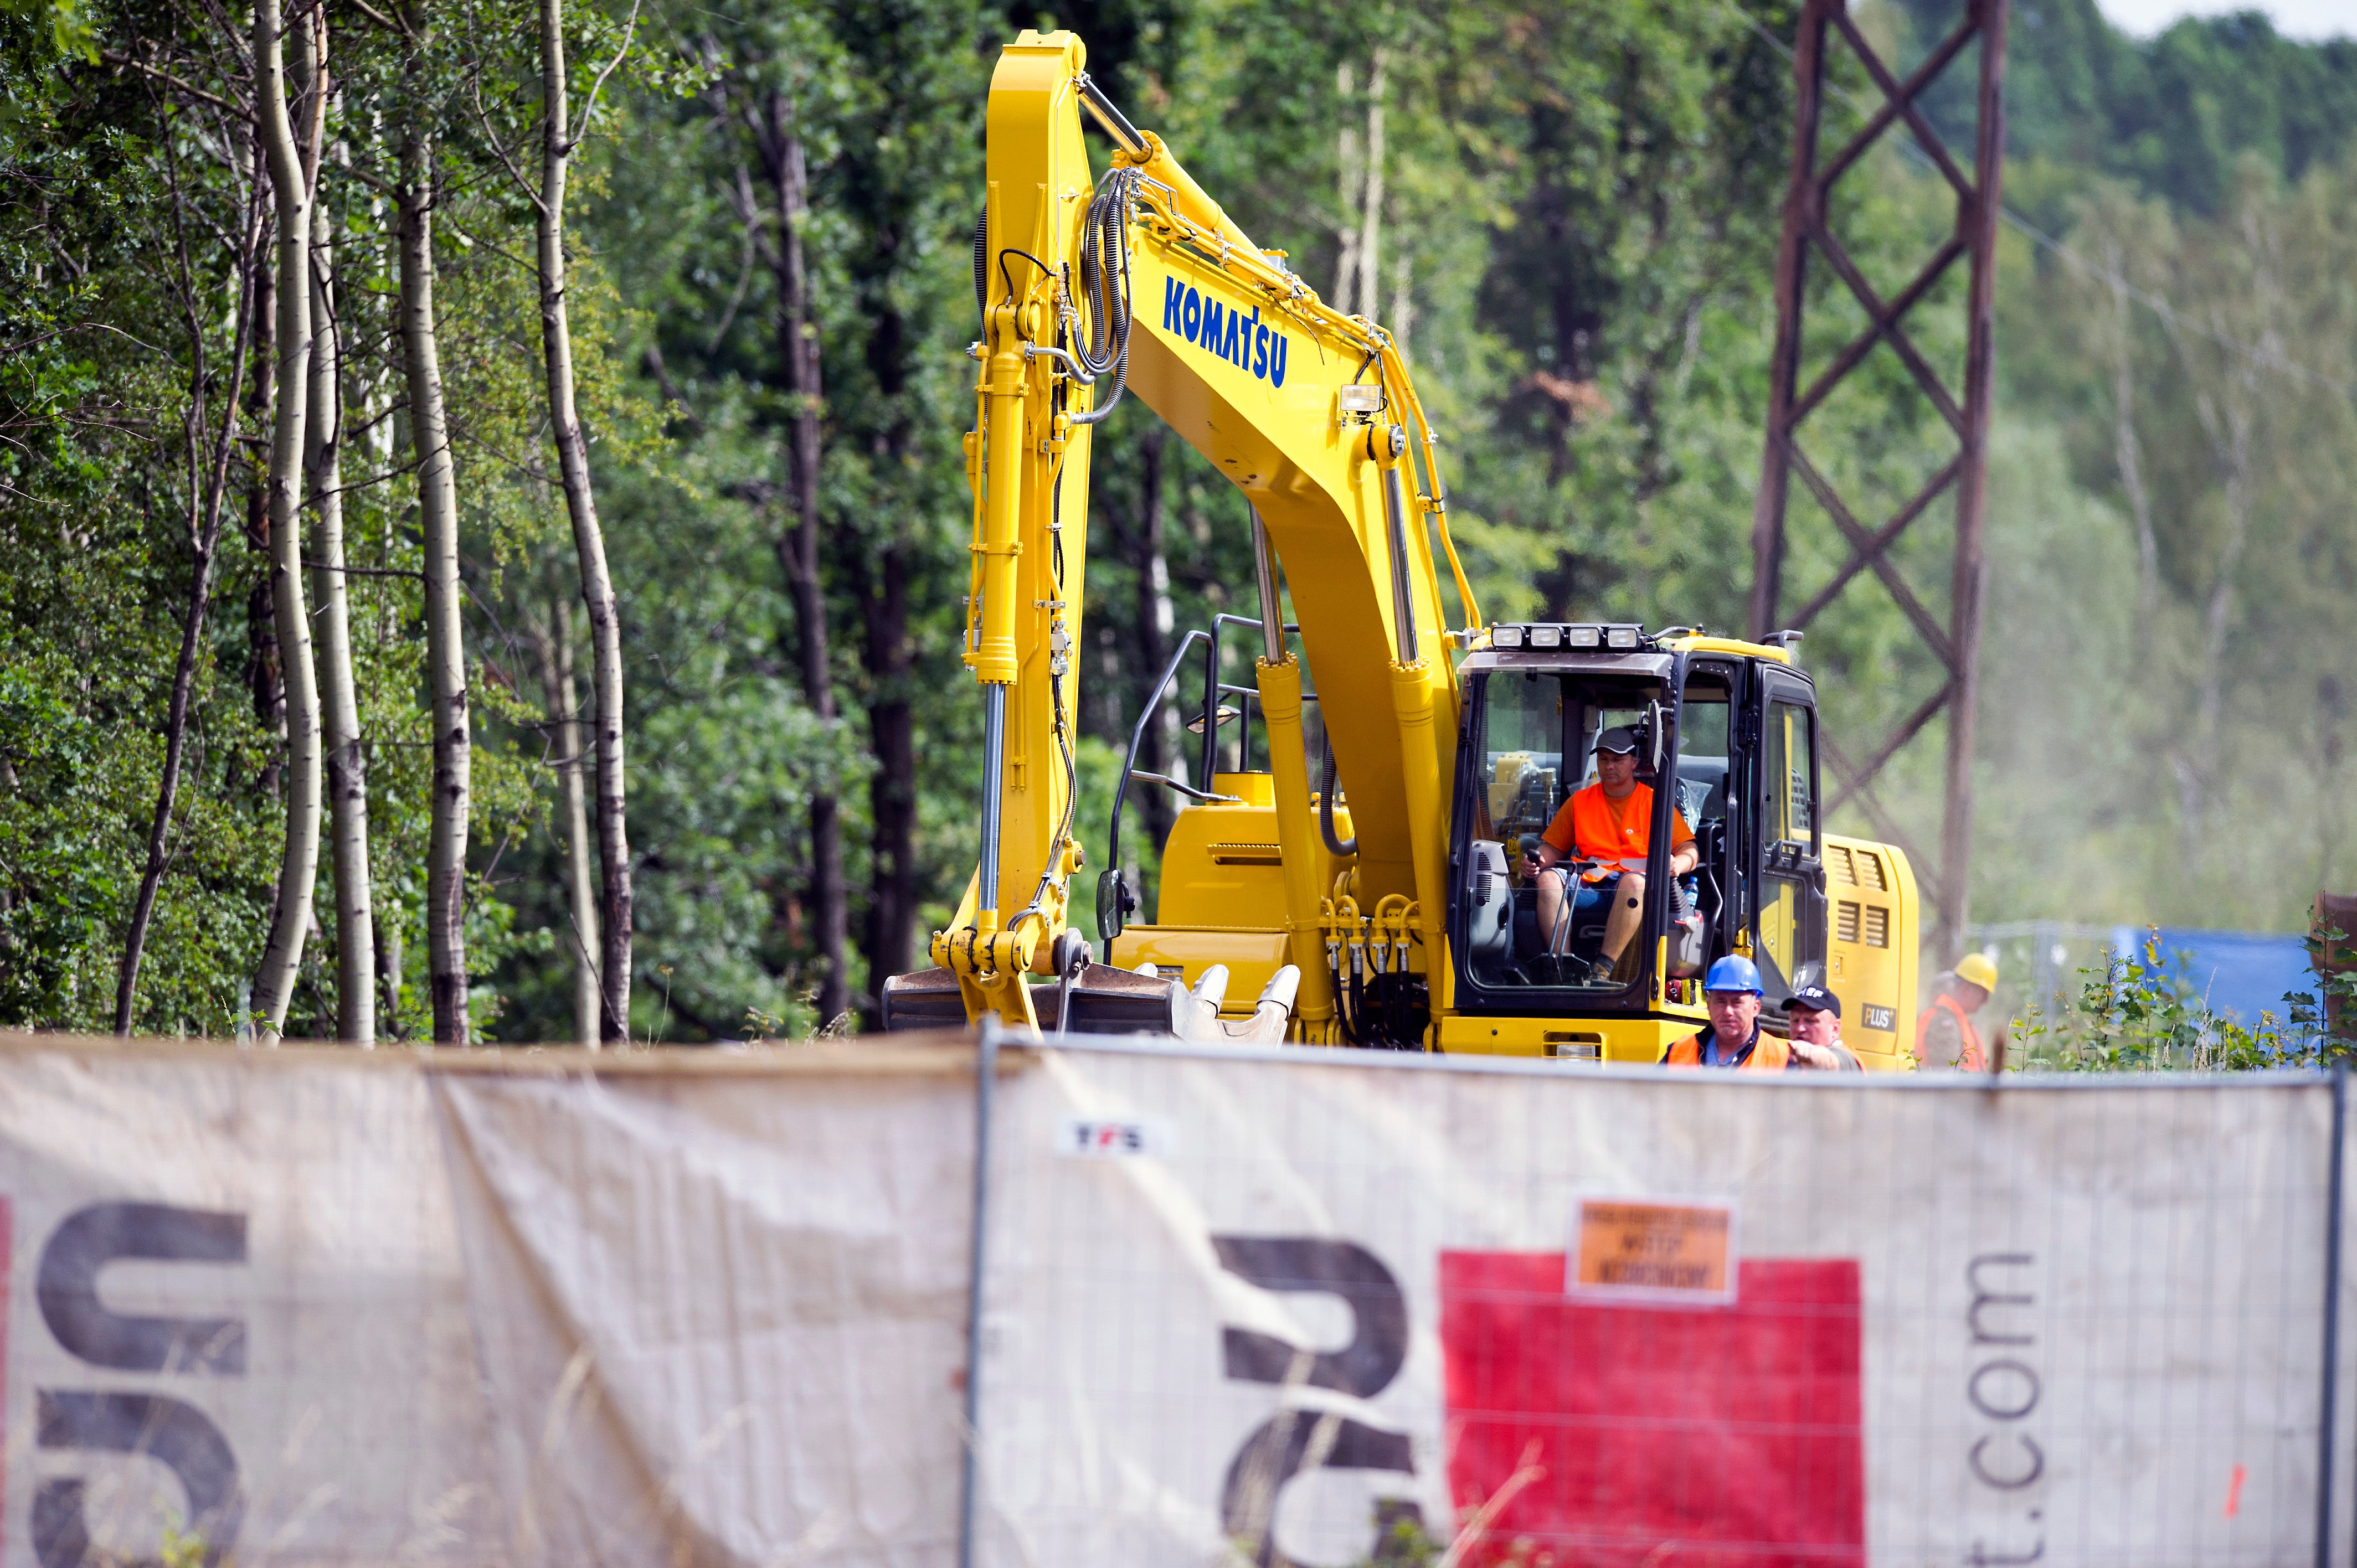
[(1618, 637)]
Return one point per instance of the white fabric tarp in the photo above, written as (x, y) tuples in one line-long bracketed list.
[(2075, 1324), (1244, 1306), (235, 1297), (721, 1314), (316, 1307)]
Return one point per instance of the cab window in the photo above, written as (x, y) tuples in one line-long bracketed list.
[(1788, 772), (1704, 725), (1538, 733), (1521, 761)]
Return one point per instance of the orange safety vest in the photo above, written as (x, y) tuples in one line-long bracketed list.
[(1969, 1058), (1598, 833), (1766, 1053)]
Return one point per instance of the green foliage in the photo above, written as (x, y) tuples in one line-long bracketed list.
[(72, 34), (59, 900), (2191, 768), (1406, 1544), (1579, 209), (182, 1547), (2172, 115), (2134, 1017)]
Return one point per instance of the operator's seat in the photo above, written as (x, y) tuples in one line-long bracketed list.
[(1702, 789), (1702, 801)]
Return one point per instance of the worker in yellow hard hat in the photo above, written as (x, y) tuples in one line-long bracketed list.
[(1945, 1034)]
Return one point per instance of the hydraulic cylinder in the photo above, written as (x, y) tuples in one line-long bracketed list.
[(1420, 769), (1296, 839)]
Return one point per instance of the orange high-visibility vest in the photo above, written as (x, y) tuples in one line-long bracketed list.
[(1597, 832), (1969, 1058), (1766, 1053)]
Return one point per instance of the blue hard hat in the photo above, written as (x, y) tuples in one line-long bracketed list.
[(1732, 972)]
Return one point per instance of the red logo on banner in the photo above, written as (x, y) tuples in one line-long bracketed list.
[(1597, 1436)]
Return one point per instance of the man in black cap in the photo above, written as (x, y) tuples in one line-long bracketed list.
[(1608, 830), (1816, 1020)]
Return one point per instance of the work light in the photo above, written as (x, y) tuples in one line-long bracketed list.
[(1620, 636), (1587, 635), (1505, 637), (1547, 637)]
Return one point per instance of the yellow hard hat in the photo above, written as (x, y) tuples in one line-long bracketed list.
[(1977, 968)]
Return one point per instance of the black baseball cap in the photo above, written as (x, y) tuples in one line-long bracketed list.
[(1818, 998), (1619, 740)]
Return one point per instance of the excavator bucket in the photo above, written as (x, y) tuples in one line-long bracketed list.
[(1099, 999)]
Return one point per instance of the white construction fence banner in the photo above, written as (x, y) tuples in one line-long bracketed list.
[(1238, 1306)]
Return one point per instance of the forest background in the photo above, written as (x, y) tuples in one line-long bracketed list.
[(1566, 210)]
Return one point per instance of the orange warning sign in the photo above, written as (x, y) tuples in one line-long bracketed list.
[(1659, 1251)]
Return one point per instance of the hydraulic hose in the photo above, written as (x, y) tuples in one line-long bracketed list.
[(982, 268), (1340, 847), (1104, 285)]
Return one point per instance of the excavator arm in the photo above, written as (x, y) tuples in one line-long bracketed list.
[(1138, 281)]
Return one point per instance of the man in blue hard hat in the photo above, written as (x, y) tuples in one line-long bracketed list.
[(1731, 991)]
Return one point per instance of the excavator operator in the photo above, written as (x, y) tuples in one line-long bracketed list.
[(1607, 831)]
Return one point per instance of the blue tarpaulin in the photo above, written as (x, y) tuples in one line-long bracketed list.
[(2238, 973)]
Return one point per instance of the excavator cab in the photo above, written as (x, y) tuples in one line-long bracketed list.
[(1726, 747)]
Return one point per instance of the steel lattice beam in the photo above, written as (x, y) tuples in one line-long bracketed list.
[(1806, 204)]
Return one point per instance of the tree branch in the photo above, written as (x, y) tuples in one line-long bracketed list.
[(381, 19), (483, 118), (588, 110), (121, 61)]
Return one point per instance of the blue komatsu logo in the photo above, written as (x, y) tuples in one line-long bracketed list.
[(1245, 341)]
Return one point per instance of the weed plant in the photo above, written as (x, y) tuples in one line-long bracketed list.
[(2134, 1016)]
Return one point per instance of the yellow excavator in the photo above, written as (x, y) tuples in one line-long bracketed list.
[(1392, 901)]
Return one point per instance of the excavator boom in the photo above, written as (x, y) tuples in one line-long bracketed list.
[(1139, 280)]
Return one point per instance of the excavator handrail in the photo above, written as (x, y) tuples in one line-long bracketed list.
[(1215, 687), (1137, 739), (1110, 878)]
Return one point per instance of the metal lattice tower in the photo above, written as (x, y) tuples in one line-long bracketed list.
[(1955, 645)]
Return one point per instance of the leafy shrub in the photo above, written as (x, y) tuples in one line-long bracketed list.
[(2134, 1017)]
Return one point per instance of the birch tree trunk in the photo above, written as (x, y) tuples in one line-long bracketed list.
[(347, 764), (2126, 452), (1351, 174), (798, 550), (554, 643), (387, 966), (204, 541), (2229, 419), (383, 386), (1371, 206), (588, 539), (446, 658), (1164, 750), (298, 865), (892, 790), (2230, 432), (263, 678)]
